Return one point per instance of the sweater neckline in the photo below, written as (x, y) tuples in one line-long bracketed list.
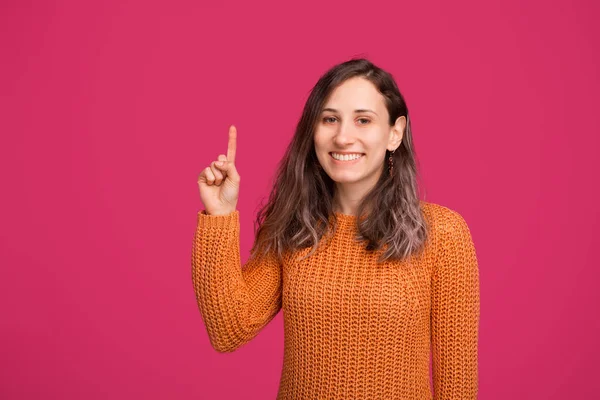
[(339, 214), (346, 221)]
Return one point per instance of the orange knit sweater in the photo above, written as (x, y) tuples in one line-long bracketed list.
[(352, 329)]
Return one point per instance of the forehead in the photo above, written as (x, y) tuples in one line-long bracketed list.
[(356, 93)]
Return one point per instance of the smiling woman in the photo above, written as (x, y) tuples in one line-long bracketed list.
[(372, 280), (355, 109)]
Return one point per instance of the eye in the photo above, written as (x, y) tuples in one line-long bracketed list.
[(329, 120), (364, 121)]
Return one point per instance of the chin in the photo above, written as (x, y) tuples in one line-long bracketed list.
[(344, 178)]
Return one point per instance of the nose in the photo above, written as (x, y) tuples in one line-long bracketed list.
[(344, 135)]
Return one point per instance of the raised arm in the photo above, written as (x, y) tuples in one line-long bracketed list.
[(235, 302), (455, 312)]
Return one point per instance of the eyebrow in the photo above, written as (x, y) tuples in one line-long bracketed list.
[(361, 110)]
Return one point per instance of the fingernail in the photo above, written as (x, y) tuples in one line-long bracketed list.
[(219, 163)]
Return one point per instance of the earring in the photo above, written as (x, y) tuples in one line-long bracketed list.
[(391, 163)]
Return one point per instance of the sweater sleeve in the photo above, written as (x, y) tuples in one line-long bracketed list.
[(455, 312), (235, 302)]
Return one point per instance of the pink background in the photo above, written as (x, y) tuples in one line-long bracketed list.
[(110, 111)]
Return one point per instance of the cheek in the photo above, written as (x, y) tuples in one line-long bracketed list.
[(321, 152), (379, 140), (319, 141)]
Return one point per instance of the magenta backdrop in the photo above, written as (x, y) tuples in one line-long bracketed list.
[(110, 111)]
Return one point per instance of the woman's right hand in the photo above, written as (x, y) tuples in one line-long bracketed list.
[(220, 184)]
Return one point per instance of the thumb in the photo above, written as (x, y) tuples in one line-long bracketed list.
[(230, 170)]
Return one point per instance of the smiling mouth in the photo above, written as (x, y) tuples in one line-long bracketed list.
[(346, 158)]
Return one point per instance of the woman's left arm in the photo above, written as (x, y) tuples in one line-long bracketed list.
[(455, 312)]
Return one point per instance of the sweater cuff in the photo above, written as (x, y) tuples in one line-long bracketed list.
[(228, 221)]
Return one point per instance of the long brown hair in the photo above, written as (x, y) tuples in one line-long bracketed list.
[(298, 211)]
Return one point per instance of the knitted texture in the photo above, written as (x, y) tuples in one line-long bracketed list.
[(353, 329)]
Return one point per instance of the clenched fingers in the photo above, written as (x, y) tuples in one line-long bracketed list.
[(219, 176), (209, 176)]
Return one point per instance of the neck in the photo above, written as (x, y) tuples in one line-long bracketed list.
[(347, 198)]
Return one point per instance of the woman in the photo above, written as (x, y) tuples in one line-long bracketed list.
[(371, 280)]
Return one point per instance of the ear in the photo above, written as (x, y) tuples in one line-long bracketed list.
[(396, 133)]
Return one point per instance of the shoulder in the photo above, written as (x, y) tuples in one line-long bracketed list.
[(453, 244), (444, 222)]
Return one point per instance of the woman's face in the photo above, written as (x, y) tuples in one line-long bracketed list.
[(354, 125)]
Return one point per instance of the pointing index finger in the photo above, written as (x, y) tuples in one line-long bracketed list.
[(232, 144)]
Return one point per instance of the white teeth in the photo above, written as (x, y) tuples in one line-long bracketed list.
[(345, 157)]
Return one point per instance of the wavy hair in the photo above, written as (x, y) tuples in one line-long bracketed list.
[(299, 211)]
